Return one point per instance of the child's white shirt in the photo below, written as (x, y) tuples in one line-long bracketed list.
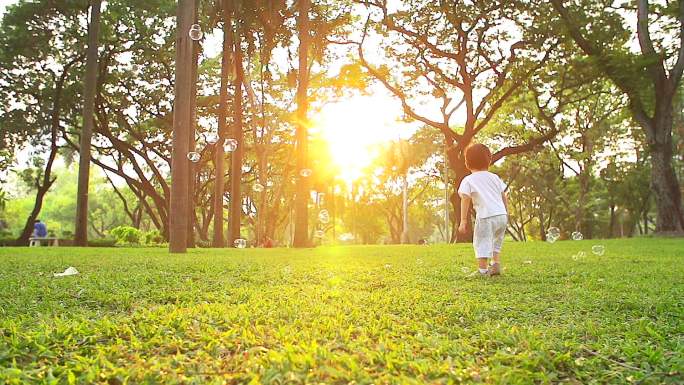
[(485, 189)]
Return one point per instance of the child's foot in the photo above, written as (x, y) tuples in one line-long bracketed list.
[(495, 269)]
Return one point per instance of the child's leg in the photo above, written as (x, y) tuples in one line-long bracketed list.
[(498, 238), (482, 242)]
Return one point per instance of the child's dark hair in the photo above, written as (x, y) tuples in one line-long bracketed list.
[(477, 157)]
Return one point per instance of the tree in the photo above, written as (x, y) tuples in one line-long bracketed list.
[(40, 55), (178, 218), (462, 56), (301, 236), (90, 85), (600, 32)]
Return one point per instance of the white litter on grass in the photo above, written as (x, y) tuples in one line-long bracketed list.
[(69, 271)]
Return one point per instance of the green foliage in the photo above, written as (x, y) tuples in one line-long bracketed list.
[(126, 235), (384, 315), (153, 237)]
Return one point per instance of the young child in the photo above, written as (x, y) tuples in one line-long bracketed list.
[(486, 192)]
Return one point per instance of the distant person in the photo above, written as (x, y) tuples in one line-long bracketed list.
[(486, 191), (39, 229)]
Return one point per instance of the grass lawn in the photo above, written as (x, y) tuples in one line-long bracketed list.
[(364, 314)]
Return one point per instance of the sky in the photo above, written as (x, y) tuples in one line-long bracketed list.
[(4, 4)]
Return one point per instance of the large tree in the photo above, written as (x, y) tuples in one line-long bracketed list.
[(650, 77), (467, 57), (40, 59)]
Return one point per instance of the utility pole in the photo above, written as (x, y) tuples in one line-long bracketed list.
[(182, 115), (90, 85)]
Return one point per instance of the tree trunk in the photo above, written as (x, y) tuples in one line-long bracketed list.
[(664, 183), (192, 168), (611, 226), (301, 235), (404, 211), (219, 154), (457, 164), (236, 159), (90, 85), (182, 115)]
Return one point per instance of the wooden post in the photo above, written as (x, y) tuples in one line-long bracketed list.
[(90, 85), (178, 213)]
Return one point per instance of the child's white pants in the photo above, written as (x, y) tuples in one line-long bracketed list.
[(488, 235)]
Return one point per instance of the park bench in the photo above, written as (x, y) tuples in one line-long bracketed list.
[(38, 241)]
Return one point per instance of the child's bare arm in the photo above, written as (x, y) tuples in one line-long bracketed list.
[(505, 200), (465, 207)]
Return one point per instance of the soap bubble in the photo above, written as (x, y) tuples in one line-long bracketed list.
[(598, 249), (551, 237), (577, 236), (194, 157), (319, 234), (305, 172), (230, 145), (324, 216), (554, 231), (246, 168), (212, 138), (195, 32), (240, 243), (388, 266), (579, 255), (345, 237), (258, 187)]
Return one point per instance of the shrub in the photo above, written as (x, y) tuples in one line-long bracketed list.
[(126, 235), (153, 237)]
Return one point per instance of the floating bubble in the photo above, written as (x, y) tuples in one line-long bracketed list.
[(212, 138), (258, 187), (195, 32), (324, 216), (194, 157), (554, 231), (551, 238), (598, 249), (230, 145), (319, 234), (579, 255), (246, 168), (240, 243), (345, 237), (305, 172), (577, 236)]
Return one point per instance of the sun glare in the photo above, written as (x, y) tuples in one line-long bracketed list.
[(352, 128)]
